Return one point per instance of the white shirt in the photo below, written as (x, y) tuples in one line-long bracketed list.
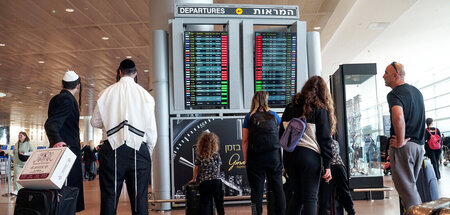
[(126, 113)]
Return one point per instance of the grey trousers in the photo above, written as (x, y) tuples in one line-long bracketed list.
[(405, 166)]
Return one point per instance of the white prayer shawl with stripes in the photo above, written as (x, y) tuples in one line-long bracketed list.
[(127, 112)]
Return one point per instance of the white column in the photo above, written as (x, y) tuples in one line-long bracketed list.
[(314, 54), (88, 130), (160, 13)]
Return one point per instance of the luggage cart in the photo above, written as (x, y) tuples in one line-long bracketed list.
[(446, 155), (5, 171)]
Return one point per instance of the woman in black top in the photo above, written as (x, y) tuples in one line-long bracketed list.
[(303, 165), (433, 154)]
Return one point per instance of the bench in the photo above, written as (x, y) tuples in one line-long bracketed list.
[(375, 189), (226, 198)]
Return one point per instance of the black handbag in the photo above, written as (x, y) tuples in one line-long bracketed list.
[(23, 158)]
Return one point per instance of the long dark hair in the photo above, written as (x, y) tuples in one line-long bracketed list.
[(316, 95), (27, 139), (260, 101)]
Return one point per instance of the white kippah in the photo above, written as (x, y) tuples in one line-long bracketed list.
[(70, 76)]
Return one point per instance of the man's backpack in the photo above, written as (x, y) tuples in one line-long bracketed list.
[(263, 132), (435, 140), (293, 133)]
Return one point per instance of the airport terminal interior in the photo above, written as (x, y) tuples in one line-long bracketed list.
[(202, 61)]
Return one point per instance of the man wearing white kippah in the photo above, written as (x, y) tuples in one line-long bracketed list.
[(126, 113), (62, 128)]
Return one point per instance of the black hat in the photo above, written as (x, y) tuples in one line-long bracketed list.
[(127, 64)]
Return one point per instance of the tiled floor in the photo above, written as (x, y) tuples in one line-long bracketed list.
[(92, 200)]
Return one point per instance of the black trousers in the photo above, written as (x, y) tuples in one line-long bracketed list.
[(125, 171), (209, 190), (303, 168), (339, 183), (260, 166), (435, 156), (75, 178)]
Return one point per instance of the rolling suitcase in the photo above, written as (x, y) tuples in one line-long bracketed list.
[(432, 207), (35, 202), (427, 182), (444, 211), (66, 200), (46, 202), (192, 199)]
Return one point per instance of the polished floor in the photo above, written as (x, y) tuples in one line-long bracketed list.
[(92, 200)]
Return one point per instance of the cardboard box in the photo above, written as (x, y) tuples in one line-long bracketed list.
[(47, 168)]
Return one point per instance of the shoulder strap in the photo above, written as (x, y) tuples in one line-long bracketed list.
[(429, 131)]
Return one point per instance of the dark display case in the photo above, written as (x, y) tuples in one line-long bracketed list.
[(353, 87)]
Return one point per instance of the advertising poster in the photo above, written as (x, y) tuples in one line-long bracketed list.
[(185, 133)]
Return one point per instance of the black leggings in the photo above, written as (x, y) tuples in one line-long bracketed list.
[(435, 156), (262, 166), (303, 168)]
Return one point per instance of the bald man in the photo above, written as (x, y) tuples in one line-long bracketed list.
[(407, 111)]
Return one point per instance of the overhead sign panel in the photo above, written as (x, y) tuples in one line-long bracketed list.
[(234, 11)]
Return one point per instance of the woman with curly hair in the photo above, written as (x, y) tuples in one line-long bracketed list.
[(207, 167), (303, 165)]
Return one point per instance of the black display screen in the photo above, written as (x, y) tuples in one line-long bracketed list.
[(206, 70), (276, 66)]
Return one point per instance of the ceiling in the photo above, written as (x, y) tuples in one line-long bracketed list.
[(43, 40)]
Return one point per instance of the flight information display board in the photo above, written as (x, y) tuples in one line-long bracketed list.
[(276, 66), (206, 70)]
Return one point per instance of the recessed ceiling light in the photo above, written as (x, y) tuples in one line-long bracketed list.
[(20, 102), (28, 87), (316, 28), (41, 61), (92, 84), (53, 11), (105, 38), (70, 10), (2, 94), (52, 94), (378, 25), (145, 70), (2, 44), (128, 57)]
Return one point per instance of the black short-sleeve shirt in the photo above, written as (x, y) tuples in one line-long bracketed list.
[(411, 100)]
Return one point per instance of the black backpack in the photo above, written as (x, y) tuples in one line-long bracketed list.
[(263, 132)]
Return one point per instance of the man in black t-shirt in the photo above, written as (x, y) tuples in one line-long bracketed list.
[(406, 151)]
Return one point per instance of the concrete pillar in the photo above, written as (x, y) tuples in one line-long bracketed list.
[(160, 13), (88, 130), (314, 54)]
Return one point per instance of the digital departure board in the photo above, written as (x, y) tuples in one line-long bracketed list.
[(206, 70), (276, 66)]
